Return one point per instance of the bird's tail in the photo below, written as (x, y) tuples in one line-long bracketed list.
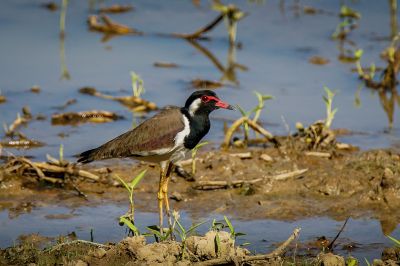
[(87, 156)]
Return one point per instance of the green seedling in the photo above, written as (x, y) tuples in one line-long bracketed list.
[(182, 232), (234, 234), (194, 153), (367, 262), (129, 218), (357, 56), (348, 12), (137, 84), (341, 29), (330, 114), (154, 230), (256, 110), (394, 240), (351, 261), (61, 153)]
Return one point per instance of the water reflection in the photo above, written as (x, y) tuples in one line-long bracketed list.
[(229, 71), (64, 69)]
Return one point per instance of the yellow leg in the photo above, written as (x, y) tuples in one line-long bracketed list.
[(165, 193), (160, 197)]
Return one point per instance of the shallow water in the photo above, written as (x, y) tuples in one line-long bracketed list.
[(277, 43), (263, 235)]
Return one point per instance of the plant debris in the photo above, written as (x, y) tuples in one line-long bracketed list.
[(67, 103), (54, 171), (205, 84), (269, 137), (109, 27), (318, 60), (136, 104), (52, 6), (74, 118), (165, 64), (317, 135), (2, 99), (116, 9), (35, 89)]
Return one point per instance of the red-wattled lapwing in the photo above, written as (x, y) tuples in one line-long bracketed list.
[(163, 139)]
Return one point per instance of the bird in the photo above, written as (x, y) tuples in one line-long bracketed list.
[(164, 138)]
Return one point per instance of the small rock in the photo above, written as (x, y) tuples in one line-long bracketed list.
[(98, 253), (176, 196), (35, 89), (330, 259), (241, 155), (266, 157), (133, 244), (80, 263)]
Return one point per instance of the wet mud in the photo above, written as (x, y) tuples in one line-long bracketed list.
[(284, 183)]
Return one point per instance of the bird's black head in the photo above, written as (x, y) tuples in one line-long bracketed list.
[(204, 102)]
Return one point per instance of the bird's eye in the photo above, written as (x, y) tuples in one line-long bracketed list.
[(205, 99)]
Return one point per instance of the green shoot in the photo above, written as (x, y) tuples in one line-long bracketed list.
[(129, 218), (261, 103), (217, 241), (154, 230), (234, 234), (346, 11), (256, 110), (194, 153), (137, 84), (182, 232), (357, 55), (61, 153), (330, 114), (340, 29), (367, 262), (351, 261), (394, 240)]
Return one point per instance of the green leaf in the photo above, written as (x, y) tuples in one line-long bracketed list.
[(193, 227), (154, 231), (61, 153), (244, 113), (346, 11), (219, 7), (218, 243), (358, 53), (137, 179), (351, 261), (201, 144), (397, 242), (180, 226), (130, 225), (367, 262), (239, 234), (123, 183), (231, 228)]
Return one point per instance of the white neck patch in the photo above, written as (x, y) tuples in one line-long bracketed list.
[(194, 106), (180, 137)]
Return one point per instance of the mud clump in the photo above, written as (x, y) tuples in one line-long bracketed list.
[(130, 251)]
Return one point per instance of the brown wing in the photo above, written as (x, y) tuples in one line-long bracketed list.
[(153, 134)]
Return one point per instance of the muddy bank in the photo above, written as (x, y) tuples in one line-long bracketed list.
[(257, 183), (216, 247)]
